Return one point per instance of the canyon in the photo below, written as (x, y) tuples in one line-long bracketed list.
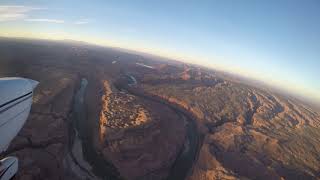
[(173, 121)]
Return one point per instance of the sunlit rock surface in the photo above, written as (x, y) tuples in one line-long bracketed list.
[(142, 138), (249, 132)]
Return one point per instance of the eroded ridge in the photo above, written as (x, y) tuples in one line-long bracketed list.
[(141, 138), (250, 132)]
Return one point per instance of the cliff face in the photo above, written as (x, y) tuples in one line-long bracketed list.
[(140, 137), (249, 133), (42, 146), (105, 108)]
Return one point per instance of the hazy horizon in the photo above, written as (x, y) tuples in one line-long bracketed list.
[(275, 42)]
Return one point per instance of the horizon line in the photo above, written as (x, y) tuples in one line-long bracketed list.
[(263, 82)]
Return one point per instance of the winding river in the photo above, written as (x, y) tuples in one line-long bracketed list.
[(99, 167), (93, 163), (188, 154)]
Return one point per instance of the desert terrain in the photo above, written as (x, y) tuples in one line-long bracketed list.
[(146, 117)]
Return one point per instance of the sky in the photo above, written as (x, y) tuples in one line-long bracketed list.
[(276, 41)]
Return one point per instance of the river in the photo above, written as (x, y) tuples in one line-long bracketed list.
[(92, 162), (188, 154), (83, 151)]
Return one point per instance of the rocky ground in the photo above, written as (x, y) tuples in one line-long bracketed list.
[(41, 145), (140, 137), (249, 132)]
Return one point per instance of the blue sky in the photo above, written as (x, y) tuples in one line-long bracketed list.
[(276, 41)]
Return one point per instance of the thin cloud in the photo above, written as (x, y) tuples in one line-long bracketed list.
[(13, 13), (58, 21), (82, 22)]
